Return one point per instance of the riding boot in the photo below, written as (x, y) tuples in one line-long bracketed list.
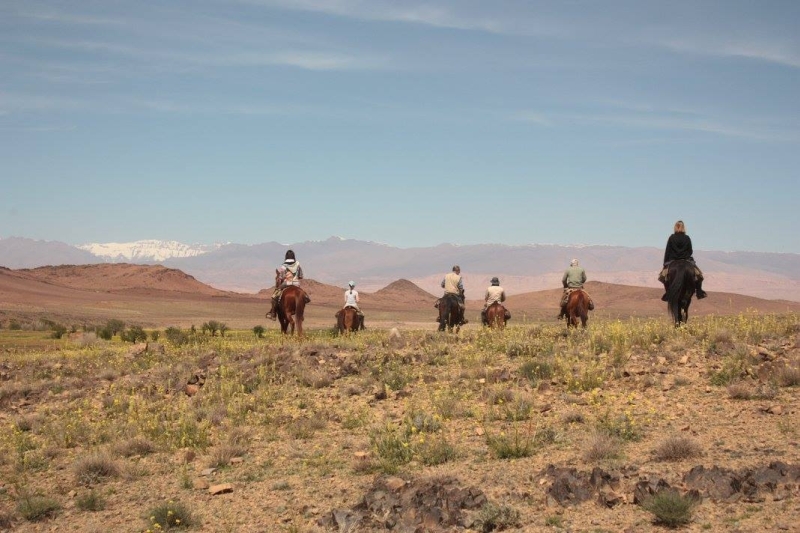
[(699, 290), (591, 305), (483, 318), (272, 315), (563, 312), (665, 298)]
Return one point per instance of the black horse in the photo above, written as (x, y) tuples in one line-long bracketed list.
[(680, 288), (450, 314)]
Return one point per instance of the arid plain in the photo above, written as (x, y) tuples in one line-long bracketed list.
[(397, 428)]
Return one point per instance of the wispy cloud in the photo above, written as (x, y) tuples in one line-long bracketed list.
[(649, 117), (780, 54), (379, 10)]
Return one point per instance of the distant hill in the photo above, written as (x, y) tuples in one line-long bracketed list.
[(17, 252), (160, 296), (525, 268), (121, 277)]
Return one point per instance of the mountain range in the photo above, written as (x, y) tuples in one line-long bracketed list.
[(335, 261)]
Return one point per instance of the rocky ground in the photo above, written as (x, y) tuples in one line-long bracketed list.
[(527, 430)]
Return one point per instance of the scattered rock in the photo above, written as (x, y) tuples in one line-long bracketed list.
[(222, 488), (200, 483), (648, 487), (208, 471), (237, 460), (137, 349), (434, 504)]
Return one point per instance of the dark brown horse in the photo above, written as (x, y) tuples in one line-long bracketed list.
[(496, 316), (348, 320), (450, 314), (680, 288), (291, 306), (577, 308)]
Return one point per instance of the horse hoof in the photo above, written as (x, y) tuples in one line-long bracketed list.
[(664, 298)]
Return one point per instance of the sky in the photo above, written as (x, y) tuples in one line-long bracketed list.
[(411, 123)]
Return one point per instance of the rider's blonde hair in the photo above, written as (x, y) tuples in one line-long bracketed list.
[(679, 227)]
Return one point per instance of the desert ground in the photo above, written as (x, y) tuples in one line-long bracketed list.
[(630, 425)]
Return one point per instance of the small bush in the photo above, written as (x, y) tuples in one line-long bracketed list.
[(34, 508), (789, 376), (94, 468), (535, 371), (305, 428), (134, 334), (176, 336), (670, 508), (740, 391), (497, 518), (603, 447), (91, 501), (391, 447), (104, 333), (222, 455), (155, 335), (517, 444), (259, 331), (58, 331), (620, 425), (434, 450), (171, 515), (135, 446), (677, 448)]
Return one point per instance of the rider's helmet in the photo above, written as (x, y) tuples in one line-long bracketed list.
[(352, 284), (495, 281), (289, 254)]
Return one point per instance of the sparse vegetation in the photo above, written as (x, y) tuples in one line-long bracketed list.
[(298, 412), (169, 516), (670, 508), (677, 448)]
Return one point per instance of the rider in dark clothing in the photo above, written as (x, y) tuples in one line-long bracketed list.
[(679, 247)]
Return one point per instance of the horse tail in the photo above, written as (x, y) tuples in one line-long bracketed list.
[(681, 284)]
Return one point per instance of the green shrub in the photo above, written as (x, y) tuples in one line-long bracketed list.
[(171, 515), (176, 336), (670, 508), (91, 501), (35, 507), (134, 334), (497, 518)]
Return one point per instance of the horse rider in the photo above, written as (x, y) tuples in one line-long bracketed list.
[(573, 279), (494, 293), (351, 300), (679, 247), (453, 284), (289, 273)]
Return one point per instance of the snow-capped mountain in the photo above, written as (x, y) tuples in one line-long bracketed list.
[(146, 250)]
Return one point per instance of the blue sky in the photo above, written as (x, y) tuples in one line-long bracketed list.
[(405, 122)]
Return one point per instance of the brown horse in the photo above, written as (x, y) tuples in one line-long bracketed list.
[(450, 314), (347, 320), (291, 306), (577, 308), (496, 316)]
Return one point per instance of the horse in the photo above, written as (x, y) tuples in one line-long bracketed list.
[(347, 320), (577, 308), (496, 316), (291, 306), (680, 288), (449, 313)]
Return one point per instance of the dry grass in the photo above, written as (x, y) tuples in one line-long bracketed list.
[(602, 447), (95, 467), (677, 448), (318, 420)]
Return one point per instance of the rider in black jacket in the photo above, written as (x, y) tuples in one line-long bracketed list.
[(679, 246)]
